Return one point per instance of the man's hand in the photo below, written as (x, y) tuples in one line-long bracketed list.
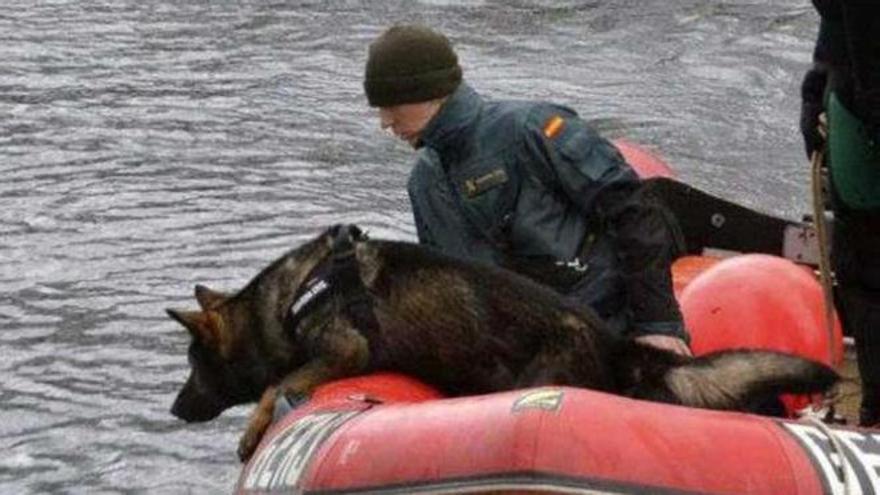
[(812, 95), (666, 342)]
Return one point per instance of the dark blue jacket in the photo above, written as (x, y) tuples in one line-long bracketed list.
[(529, 186), (846, 60)]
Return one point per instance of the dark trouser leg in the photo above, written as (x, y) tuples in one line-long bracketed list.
[(856, 258), (860, 314)]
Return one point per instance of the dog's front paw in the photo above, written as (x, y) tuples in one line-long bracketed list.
[(248, 443)]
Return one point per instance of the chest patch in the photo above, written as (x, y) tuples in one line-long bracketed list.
[(478, 185)]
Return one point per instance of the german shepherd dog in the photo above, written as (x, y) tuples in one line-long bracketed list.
[(463, 327)]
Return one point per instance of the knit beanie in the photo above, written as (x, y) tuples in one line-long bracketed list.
[(410, 64)]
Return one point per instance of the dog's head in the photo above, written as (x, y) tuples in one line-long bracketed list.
[(220, 375), (238, 343)]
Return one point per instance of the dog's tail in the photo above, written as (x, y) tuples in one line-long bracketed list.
[(740, 379), (737, 379)]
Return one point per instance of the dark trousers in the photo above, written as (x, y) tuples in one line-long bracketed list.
[(855, 256)]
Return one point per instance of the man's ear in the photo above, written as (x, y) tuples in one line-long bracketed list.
[(205, 326), (209, 299)]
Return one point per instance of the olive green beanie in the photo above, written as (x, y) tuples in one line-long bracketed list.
[(410, 64)]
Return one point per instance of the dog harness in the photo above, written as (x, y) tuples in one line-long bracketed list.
[(338, 280)]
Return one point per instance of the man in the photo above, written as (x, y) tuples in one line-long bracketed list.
[(528, 186), (844, 82)]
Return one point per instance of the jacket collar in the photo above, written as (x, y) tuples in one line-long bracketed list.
[(452, 122)]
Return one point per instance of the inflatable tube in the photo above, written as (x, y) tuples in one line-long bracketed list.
[(549, 440), (761, 302), (643, 162), (687, 268), (757, 301)]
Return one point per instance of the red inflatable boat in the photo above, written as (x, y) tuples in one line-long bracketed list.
[(389, 434), (549, 440)]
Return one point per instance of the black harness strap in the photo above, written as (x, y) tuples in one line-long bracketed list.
[(337, 277), (356, 302)]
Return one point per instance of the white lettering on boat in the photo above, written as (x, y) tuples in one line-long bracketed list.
[(860, 448), (283, 461)]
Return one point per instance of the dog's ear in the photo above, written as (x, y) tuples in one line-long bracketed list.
[(205, 326), (194, 321), (209, 299)]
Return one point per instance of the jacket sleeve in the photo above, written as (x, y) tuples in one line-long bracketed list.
[(422, 230), (589, 171), (415, 193), (829, 52)]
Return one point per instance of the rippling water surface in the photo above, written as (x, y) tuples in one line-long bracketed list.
[(147, 146)]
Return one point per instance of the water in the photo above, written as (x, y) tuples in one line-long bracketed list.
[(146, 146)]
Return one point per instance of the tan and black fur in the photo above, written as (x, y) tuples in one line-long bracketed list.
[(465, 328)]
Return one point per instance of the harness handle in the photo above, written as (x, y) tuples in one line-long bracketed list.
[(337, 278)]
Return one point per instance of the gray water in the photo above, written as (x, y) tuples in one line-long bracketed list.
[(146, 146)]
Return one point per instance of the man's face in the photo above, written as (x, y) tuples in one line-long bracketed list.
[(407, 121)]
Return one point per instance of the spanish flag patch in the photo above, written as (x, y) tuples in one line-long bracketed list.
[(553, 126)]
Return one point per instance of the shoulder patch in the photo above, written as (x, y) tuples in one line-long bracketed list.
[(553, 126)]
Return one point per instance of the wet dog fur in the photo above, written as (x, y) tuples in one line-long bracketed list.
[(463, 327)]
